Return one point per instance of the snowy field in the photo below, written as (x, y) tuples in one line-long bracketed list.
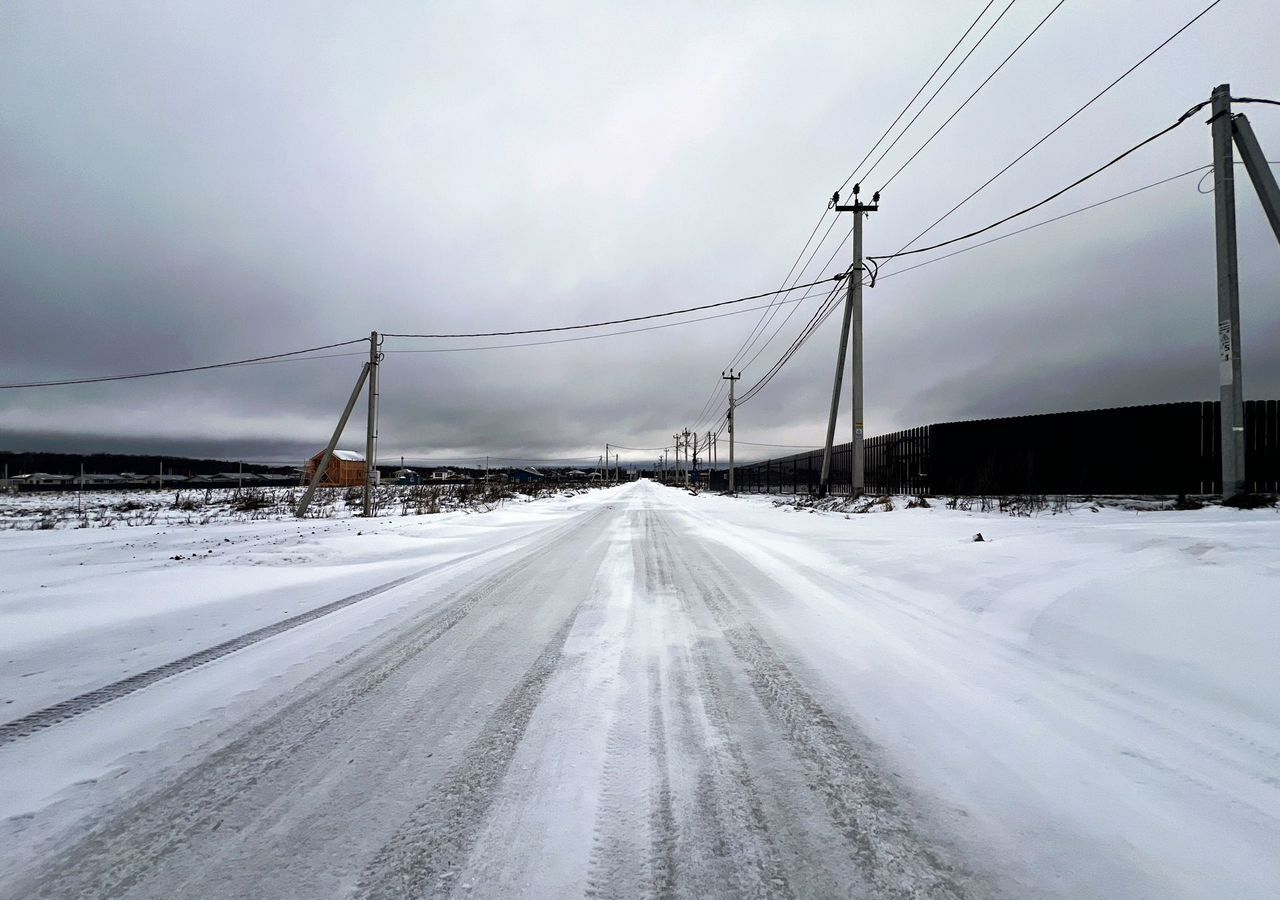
[(134, 508), (638, 692)]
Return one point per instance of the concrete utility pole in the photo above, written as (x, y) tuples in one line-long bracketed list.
[(852, 317), (686, 457), (694, 469), (605, 474), (1227, 128), (1230, 387), (733, 380), (328, 450), (371, 435)]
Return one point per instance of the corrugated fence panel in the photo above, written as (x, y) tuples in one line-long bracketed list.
[(1170, 448)]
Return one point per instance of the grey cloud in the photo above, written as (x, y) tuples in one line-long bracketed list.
[(186, 183)]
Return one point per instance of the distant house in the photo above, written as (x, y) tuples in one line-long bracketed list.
[(443, 475), (524, 476), (163, 480), (346, 469), (575, 474), (95, 478), (406, 476), (41, 478)]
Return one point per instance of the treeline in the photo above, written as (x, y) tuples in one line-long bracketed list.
[(21, 463)]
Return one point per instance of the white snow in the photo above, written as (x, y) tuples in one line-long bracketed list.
[(1088, 699), (1093, 692)]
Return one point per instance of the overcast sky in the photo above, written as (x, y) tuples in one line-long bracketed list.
[(188, 183)]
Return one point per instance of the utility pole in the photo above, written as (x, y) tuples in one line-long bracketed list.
[(686, 457), (852, 317), (240, 476), (733, 381), (1230, 388), (328, 450), (371, 434), (1227, 128), (694, 471)]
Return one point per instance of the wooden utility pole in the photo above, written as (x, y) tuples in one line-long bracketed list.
[(371, 434), (733, 380), (852, 318)]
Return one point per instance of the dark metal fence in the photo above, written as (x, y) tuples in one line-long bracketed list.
[(1168, 448)]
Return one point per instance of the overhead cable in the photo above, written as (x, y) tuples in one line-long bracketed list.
[(1055, 195), (661, 315), (223, 365), (918, 92), (976, 90), (1146, 187), (1123, 75), (593, 337), (945, 82)]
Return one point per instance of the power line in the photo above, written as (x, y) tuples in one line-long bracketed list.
[(674, 312), (782, 446), (1055, 195), (1066, 215), (719, 388), (976, 90), (607, 334), (914, 96), (1064, 122), (945, 82), (224, 365), (815, 322)]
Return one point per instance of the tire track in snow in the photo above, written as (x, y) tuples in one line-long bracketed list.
[(120, 854), (698, 802), (123, 850), (896, 861), (728, 806), (64, 710), (633, 840), (429, 848)]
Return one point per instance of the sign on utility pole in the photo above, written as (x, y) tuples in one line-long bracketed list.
[(852, 317)]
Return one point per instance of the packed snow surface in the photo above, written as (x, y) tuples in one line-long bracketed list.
[(639, 692)]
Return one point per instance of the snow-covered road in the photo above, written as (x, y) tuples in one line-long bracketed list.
[(641, 693)]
